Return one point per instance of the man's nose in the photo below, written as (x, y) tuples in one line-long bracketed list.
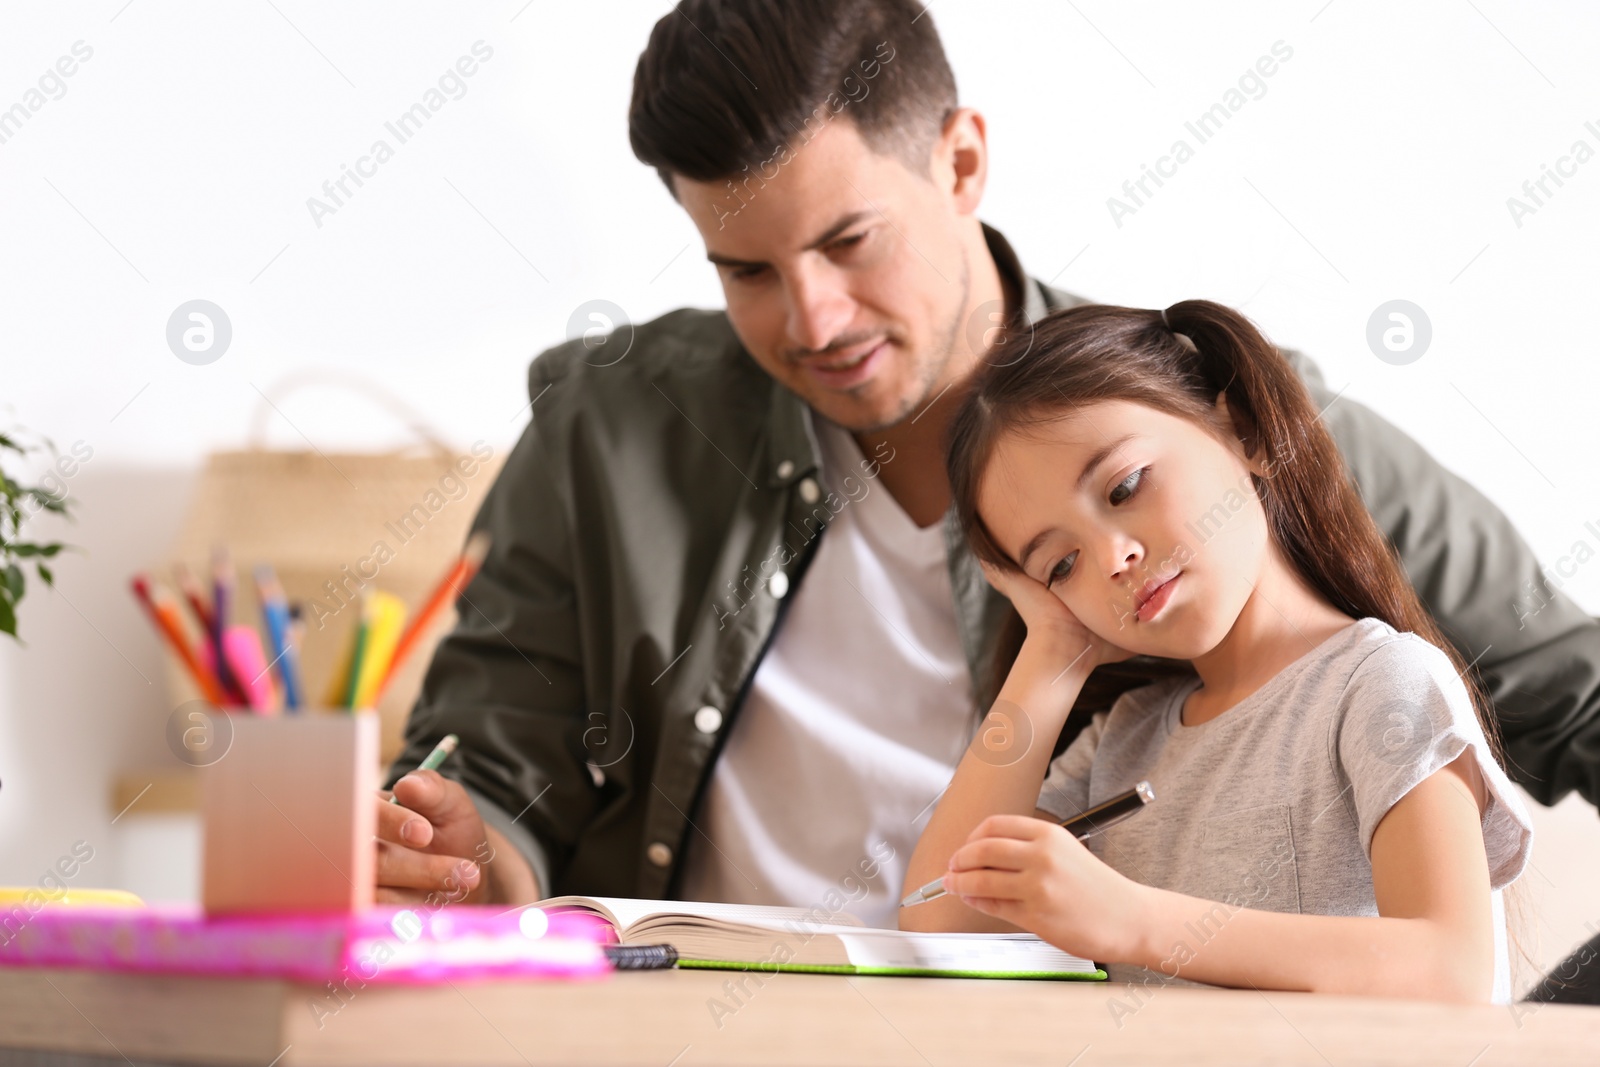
[(819, 310)]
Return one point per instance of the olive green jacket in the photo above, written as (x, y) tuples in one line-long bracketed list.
[(604, 648)]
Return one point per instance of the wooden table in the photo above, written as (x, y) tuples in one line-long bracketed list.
[(672, 1019)]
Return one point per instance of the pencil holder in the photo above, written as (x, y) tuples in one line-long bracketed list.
[(290, 813)]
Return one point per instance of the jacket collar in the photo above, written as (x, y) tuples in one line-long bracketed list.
[(794, 452)]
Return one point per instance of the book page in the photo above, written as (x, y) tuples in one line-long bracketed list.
[(958, 952), (629, 911)]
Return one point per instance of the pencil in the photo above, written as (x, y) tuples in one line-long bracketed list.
[(455, 580), (275, 609), (387, 613), (435, 759), (358, 653), (163, 612), (196, 596)]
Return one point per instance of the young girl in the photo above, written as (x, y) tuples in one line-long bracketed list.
[(1329, 811)]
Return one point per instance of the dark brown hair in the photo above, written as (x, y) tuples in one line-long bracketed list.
[(1316, 516), (723, 85)]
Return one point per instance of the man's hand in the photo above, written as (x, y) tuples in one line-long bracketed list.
[(432, 845)]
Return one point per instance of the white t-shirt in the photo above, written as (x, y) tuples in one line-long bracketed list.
[(853, 723)]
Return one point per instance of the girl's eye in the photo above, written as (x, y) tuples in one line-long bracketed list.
[(1123, 490), (746, 273), (848, 242), (1060, 570)]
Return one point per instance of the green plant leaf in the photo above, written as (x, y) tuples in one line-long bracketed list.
[(8, 616), (14, 581), (47, 575)]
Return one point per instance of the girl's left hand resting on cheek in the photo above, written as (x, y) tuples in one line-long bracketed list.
[(1036, 875)]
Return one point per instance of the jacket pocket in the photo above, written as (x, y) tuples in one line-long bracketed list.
[(1247, 859)]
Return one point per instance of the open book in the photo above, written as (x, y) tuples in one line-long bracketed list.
[(750, 937)]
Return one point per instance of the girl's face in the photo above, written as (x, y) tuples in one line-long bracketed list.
[(1145, 525)]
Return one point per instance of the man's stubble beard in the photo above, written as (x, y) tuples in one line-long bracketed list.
[(935, 369)]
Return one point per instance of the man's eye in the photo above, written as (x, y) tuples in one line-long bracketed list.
[(1060, 570), (847, 242), (746, 273), (1123, 490)]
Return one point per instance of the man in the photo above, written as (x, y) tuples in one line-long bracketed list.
[(726, 644)]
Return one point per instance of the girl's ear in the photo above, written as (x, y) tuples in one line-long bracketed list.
[(1242, 440)]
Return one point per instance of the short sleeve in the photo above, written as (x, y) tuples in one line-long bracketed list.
[(1405, 714), (1065, 793)]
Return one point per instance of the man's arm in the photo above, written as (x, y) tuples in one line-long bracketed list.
[(1537, 651), (508, 678)]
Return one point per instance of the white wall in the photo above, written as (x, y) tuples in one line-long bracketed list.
[(179, 161)]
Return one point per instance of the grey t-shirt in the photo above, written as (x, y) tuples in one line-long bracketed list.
[(1272, 804)]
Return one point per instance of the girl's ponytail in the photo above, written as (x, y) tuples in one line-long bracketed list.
[(1312, 506)]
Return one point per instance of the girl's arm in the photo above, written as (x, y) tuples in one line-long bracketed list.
[(1004, 766), (1434, 937)]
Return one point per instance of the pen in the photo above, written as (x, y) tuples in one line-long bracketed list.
[(1083, 827), (446, 745)]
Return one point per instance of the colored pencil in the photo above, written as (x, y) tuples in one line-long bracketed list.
[(275, 610), (193, 593), (163, 612), (387, 614), (357, 651), (456, 579), (435, 759)]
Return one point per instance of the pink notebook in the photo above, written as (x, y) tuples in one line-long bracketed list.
[(385, 944)]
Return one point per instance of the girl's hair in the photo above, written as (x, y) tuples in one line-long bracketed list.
[(1177, 361)]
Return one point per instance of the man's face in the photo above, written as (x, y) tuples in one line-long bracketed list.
[(846, 274)]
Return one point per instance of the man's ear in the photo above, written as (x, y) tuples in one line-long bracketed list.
[(1242, 439), (960, 162)]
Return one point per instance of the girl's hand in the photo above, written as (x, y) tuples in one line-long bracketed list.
[(1036, 875), (1052, 628)]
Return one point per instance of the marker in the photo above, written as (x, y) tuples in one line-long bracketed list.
[(1083, 827), (641, 957), (241, 647), (440, 752), (221, 598)]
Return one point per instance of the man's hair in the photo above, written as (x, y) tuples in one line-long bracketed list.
[(725, 86)]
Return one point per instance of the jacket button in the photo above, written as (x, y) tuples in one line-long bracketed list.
[(778, 585), (785, 468), (708, 720), (809, 491), (659, 854)]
